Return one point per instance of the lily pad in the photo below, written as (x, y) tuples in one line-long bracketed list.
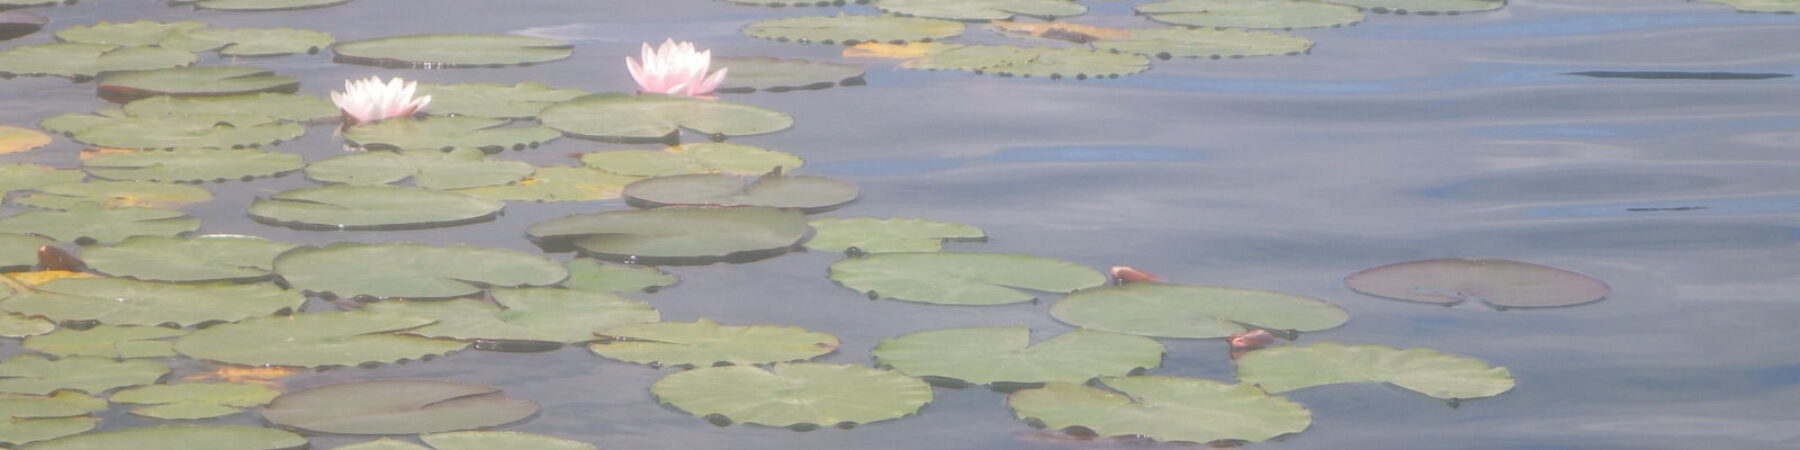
[(1180, 311), (384, 444), (704, 343), (299, 108), (250, 41), (185, 437), (192, 165), (1053, 63), (414, 271), (1498, 282), (433, 51), (850, 30), (15, 139), (314, 340), (677, 235), (31, 418), (93, 223), (68, 124), (530, 314), (807, 193), (558, 184), (711, 157), (658, 117), (15, 176), (17, 326), (17, 24), (1425, 371), (599, 276), (36, 374), (1267, 14), (445, 133), (193, 81), (397, 407), (83, 61), (777, 75), (1424, 7), (142, 32), (262, 5), (206, 258), (1167, 43), (10, 4), (1006, 355), (961, 278), (20, 251), (119, 301), (1761, 6), (348, 207), (794, 394), (871, 235), (195, 400), (107, 341), (1163, 408), (169, 132), (488, 440), (462, 168), (982, 10), (115, 194), (519, 101)]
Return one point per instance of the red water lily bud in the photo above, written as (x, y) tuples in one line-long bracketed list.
[(1244, 342), (1128, 274)]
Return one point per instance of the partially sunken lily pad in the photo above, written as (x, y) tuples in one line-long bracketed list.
[(91, 222), (121, 301), (599, 276), (704, 343), (31, 418), (261, 5), (519, 101), (184, 437), (850, 30), (777, 75), (530, 314), (347, 207), (1425, 371), (415, 271), (19, 251), (188, 260), (1053, 63), (1006, 355), (491, 440), (314, 340), (872, 235), (84, 61), (677, 235), (445, 133), (711, 157), (15, 176), (250, 41), (462, 168), (195, 400), (115, 194), (1173, 310), (15, 139), (193, 81), (16, 24), (36, 374), (961, 278), (299, 108), (1425, 7), (558, 184), (397, 407), (982, 10), (1169, 409), (794, 394), (191, 165), (1273, 14), (108, 341), (1498, 282), (432, 51), (170, 132), (658, 117), (142, 32), (1166, 43), (806, 193)]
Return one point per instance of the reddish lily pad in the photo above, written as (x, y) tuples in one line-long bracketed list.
[(1498, 282)]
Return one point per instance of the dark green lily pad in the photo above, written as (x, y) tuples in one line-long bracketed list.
[(982, 10), (18, 252), (850, 30), (314, 340), (299, 108), (208, 258), (1498, 282), (139, 33), (489, 440), (350, 207), (806, 193), (193, 81), (1006, 355), (705, 343), (262, 5), (83, 61), (519, 101), (1424, 7), (250, 41), (432, 51), (115, 194), (18, 326), (414, 271), (445, 133), (461, 168), (36, 374), (171, 132), (794, 394), (872, 235), (16, 24), (184, 437), (777, 75), (677, 235), (600, 276), (961, 278), (1439, 375), (191, 165), (16, 176), (397, 407), (189, 401), (710, 157), (1267, 14), (108, 341), (1169, 409), (561, 316), (31, 418), (558, 184), (1053, 63), (119, 301), (1166, 43), (93, 223), (1180, 311), (658, 117)]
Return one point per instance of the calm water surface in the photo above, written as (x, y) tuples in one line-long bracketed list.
[(1403, 138)]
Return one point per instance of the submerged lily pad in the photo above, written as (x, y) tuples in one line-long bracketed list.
[(777, 75), (432, 51), (119, 301), (599, 276), (961, 278), (519, 101), (250, 41), (1425, 371), (83, 61), (558, 184), (31, 418), (489, 440), (36, 374), (1053, 63), (1267, 14), (91, 222), (314, 340), (20, 251), (15, 139), (261, 5), (1173, 310), (195, 400), (1163, 408), (191, 165), (711, 157), (414, 271), (115, 194), (1424, 7), (1167, 43), (1006, 355), (299, 108), (982, 10), (349, 207), (871, 235), (193, 81), (704, 343), (850, 30), (169, 132), (462, 168), (1761, 6), (658, 117), (16, 176), (1498, 282), (806, 193), (677, 235), (107, 341), (142, 32), (445, 133), (397, 407), (530, 314), (207, 258), (794, 394)]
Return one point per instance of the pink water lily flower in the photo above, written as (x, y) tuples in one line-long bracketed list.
[(365, 101), (675, 69)]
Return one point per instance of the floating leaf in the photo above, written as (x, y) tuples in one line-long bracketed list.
[(704, 343), (168, 132), (196, 259), (445, 133), (414, 271), (488, 440), (1761, 6), (120, 301), (191, 165), (10, 4), (19, 251), (261, 5), (1061, 31), (1053, 63), (461, 168), (807, 193), (519, 101), (15, 176), (598, 276), (31, 418), (90, 222), (36, 374), (1425, 371), (195, 400), (107, 341), (16, 24), (184, 437), (15, 139), (349, 207), (250, 41), (84, 61), (1179, 311), (1278, 14), (299, 108), (193, 81), (794, 394), (530, 314), (1005, 355), (558, 184), (961, 278), (677, 235), (115, 194), (17, 326), (1163, 408), (658, 117), (914, 50), (314, 340), (431, 51), (871, 235), (1425, 7), (982, 10), (711, 157), (850, 30), (1167, 43), (777, 75), (68, 124), (397, 407), (384, 444), (142, 32), (1498, 282)]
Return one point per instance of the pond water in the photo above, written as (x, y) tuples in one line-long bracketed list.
[(1403, 138)]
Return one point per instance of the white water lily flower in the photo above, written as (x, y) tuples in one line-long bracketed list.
[(365, 101), (675, 69)]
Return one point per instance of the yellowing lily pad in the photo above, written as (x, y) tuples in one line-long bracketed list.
[(206, 258), (1498, 282), (121, 301), (1425, 371), (36, 374), (1006, 355), (115, 194), (1266, 14), (961, 278), (349, 207), (431, 51), (314, 340), (677, 235), (195, 400), (1180, 311), (807, 193), (794, 394), (446, 133), (561, 316), (712, 157), (1167, 409), (652, 117), (15, 139), (704, 343), (414, 271), (108, 341), (191, 165), (871, 235), (397, 407), (851, 30)]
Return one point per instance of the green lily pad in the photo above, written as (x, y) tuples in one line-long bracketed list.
[(384, 444), (1499, 282), (1168, 43), (851, 30), (36, 374), (19, 252), (397, 407), (350, 207), (558, 184), (806, 193), (711, 157), (599, 276), (1179, 311), (299, 108), (871, 235), (184, 437), (982, 10), (530, 314), (1424, 7), (794, 394), (1761, 6), (262, 5), (193, 81), (1439, 375), (119, 301), (17, 326), (208, 258), (83, 61), (461, 168), (250, 41), (142, 32), (107, 341), (68, 124), (1267, 14), (10, 4), (777, 75), (445, 133), (191, 165), (677, 235), (1006, 355), (961, 278), (433, 51), (1167, 409), (704, 343), (658, 117), (16, 176), (93, 223), (1053, 63), (31, 418), (519, 101), (314, 340), (170, 132), (115, 194), (489, 440), (195, 400), (414, 271)]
